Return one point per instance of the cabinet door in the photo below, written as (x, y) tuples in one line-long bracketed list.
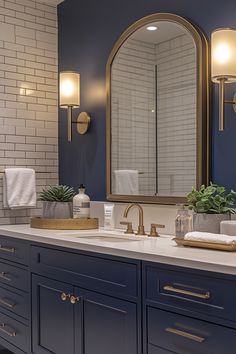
[(104, 325), (52, 318)]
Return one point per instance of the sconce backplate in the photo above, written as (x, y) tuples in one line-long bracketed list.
[(234, 104), (83, 122)]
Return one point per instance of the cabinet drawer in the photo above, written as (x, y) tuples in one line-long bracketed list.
[(15, 301), (185, 335), (155, 350), (15, 332), (103, 275), (196, 293), (14, 276), (13, 250)]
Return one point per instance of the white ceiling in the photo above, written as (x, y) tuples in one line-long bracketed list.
[(165, 31), (50, 2)]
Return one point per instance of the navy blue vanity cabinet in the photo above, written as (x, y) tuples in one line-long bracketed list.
[(85, 303), (14, 295), (187, 311), (53, 316), (104, 325)]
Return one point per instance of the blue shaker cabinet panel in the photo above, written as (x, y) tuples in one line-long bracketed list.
[(14, 250), (105, 325), (186, 335), (52, 318)]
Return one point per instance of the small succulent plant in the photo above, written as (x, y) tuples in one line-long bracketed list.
[(57, 194), (212, 200)]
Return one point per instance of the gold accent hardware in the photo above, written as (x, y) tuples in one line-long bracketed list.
[(65, 296), (6, 303), (185, 334), (172, 289), (7, 249), (10, 334), (129, 229), (153, 231), (141, 230), (83, 122), (74, 299), (3, 276)]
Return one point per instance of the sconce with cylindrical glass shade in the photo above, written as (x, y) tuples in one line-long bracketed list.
[(69, 95), (223, 65)]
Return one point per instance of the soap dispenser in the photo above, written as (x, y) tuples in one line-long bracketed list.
[(81, 204), (183, 222)]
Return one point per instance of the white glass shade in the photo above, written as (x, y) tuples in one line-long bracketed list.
[(223, 56), (69, 89)]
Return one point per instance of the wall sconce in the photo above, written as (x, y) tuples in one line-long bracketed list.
[(69, 99), (223, 65)]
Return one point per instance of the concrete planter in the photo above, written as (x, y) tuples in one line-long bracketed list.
[(209, 222), (57, 210)]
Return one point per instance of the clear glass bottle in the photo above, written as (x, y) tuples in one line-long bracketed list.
[(183, 222)]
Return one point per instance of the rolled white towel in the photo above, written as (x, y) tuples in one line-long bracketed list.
[(208, 237)]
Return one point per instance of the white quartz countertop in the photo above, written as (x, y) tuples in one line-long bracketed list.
[(161, 249)]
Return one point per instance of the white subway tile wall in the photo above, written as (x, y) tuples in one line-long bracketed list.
[(139, 139), (28, 95), (133, 119), (176, 115)]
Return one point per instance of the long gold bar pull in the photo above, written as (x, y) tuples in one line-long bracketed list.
[(69, 122), (221, 103), (172, 289), (190, 336)]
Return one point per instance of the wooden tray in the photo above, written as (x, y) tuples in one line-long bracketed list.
[(64, 224), (213, 246)]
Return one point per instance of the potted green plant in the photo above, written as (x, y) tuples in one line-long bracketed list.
[(57, 202), (211, 205)]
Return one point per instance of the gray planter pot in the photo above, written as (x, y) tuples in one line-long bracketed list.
[(57, 210), (209, 222)]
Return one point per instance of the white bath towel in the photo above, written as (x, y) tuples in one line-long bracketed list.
[(19, 188), (209, 237), (126, 182)]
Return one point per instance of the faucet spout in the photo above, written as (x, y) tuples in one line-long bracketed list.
[(141, 230)]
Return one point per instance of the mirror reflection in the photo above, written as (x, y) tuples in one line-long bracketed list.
[(154, 112)]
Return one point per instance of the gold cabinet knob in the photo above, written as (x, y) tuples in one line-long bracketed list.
[(74, 299), (153, 231), (64, 296), (129, 229)]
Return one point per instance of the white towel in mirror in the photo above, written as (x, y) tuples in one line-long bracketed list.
[(126, 182), (19, 188)]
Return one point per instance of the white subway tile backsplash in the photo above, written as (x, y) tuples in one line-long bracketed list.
[(28, 95)]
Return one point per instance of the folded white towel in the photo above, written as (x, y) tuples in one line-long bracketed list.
[(208, 237), (126, 182), (19, 188)]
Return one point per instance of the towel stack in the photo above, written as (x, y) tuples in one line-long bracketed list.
[(210, 238), (19, 188)]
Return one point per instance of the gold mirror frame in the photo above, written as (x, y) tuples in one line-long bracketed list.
[(203, 136)]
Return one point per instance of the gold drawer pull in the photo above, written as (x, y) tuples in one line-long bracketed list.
[(10, 334), (3, 276), (7, 249), (74, 299), (170, 288), (180, 333), (7, 303)]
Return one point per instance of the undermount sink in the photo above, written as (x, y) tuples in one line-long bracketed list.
[(104, 236)]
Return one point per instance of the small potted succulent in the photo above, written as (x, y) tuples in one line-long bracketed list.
[(57, 202), (211, 205)]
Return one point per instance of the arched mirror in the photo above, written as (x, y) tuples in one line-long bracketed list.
[(157, 111)]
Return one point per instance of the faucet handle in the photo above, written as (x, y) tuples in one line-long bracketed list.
[(129, 229), (153, 231)]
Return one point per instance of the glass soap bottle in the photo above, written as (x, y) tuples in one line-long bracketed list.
[(183, 222)]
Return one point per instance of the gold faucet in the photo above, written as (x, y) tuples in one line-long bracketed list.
[(141, 230)]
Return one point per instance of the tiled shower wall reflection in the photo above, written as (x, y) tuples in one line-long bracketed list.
[(139, 140), (28, 94)]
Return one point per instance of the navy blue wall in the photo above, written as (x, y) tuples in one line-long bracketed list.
[(88, 29)]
